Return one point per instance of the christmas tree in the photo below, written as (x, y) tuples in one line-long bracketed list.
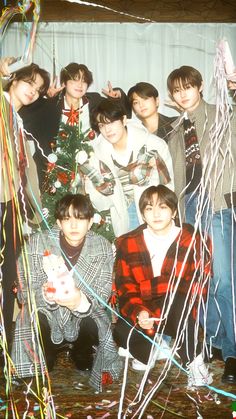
[(67, 165)]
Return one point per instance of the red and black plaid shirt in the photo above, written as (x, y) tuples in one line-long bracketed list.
[(187, 265)]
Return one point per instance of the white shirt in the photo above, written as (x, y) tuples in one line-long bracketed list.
[(158, 246)]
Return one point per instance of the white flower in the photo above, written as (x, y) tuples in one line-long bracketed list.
[(97, 218), (57, 184), (81, 157), (52, 158)]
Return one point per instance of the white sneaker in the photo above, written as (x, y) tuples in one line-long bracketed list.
[(163, 351), (139, 366), (198, 374), (124, 352)]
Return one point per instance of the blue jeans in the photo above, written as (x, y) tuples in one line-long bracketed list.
[(221, 312), (133, 217)]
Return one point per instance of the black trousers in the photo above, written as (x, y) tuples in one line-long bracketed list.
[(140, 347), (10, 249), (82, 347)]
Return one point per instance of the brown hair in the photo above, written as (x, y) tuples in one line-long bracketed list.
[(165, 195), (28, 74), (183, 76)]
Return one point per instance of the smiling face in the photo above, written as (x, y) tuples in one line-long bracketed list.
[(74, 229), (158, 216), (144, 107), (186, 96), (25, 92), (77, 87)]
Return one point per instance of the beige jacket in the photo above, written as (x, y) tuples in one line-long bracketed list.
[(218, 155), (11, 128)]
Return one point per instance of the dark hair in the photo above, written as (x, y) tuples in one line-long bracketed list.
[(165, 195), (74, 70), (107, 111), (142, 89), (183, 76), (29, 73), (81, 206)]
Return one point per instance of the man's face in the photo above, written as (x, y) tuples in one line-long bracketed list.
[(144, 107), (186, 96), (158, 217), (74, 229), (25, 92), (77, 87), (114, 132)]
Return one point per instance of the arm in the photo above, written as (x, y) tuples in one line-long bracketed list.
[(131, 303), (164, 153), (32, 276), (94, 277)]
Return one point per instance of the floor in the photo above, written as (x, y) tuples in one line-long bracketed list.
[(66, 394)]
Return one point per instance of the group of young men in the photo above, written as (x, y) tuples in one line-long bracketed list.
[(167, 276)]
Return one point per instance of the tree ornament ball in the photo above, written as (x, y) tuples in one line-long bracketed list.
[(91, 135), (52, 158)]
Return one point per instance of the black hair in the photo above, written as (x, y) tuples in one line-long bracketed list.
[(81, 207), (107, 111), (74, 70), (142, 89)]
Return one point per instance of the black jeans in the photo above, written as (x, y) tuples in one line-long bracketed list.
[(140, 347), (10, 249), (82, 347)]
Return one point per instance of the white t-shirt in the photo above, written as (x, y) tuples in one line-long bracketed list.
[(158, 246)]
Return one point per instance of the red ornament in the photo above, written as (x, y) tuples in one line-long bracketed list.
[(91, 135), (53, 145), (106, 378), (50, 167), (151, 332), (72, 115), (63, 134), (62, 177)]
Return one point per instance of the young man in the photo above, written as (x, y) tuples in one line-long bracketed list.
[(68, 279), (144, 100), (72, 106), (161, 275), (130, 159), (204, 158), (19, 188)]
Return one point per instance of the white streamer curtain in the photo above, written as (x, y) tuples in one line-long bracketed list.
[(126, 53)]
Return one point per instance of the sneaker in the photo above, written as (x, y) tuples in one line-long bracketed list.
[(198, 374), (139, 366), (124, 352), (163, 351)]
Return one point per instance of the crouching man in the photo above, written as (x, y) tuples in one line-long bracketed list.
[(65, 275)]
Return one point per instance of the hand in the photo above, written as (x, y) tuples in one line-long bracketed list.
[(143, 320), (110, 92), (4, 63), (72, 298), (71, 302), (231, 85), (53, 90)]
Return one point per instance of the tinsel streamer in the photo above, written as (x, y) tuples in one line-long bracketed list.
[(9, 12), (87, 3)]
